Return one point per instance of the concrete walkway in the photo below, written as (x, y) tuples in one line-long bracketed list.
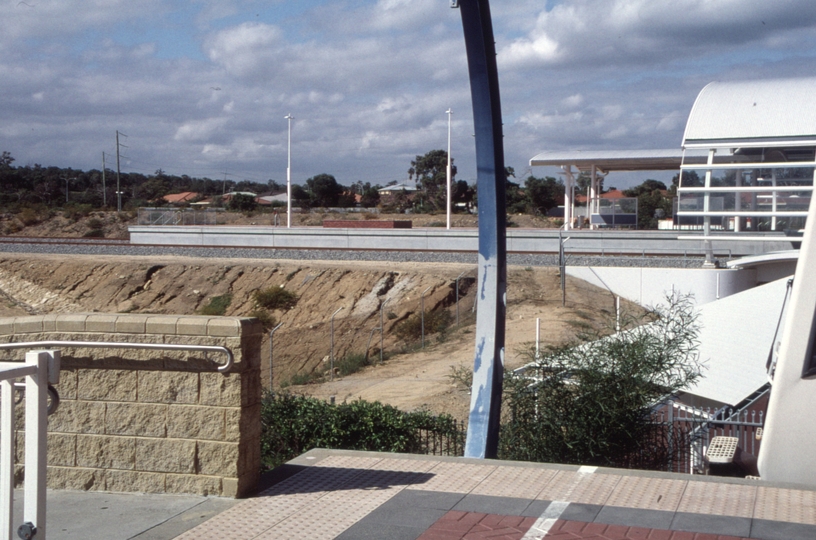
[(83, 515), (363, 495)]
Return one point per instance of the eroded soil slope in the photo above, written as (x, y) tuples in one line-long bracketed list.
[(410, 378)]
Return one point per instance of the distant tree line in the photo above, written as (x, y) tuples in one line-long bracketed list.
[(57, 187)]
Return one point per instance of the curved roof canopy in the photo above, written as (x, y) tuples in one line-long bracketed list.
[(773, 110)]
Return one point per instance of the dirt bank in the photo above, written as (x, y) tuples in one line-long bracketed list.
[(410, 377)]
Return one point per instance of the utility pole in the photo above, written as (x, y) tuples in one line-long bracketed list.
[(104, 192), (118, 173)]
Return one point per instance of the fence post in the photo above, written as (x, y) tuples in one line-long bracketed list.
[(671, 436)]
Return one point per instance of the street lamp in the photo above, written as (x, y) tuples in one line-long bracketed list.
[(289, 117), (449, 112)]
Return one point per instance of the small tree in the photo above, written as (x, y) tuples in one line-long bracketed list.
[(593, 399), (241, 202), (430, 173)]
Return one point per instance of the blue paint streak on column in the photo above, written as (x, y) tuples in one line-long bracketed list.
[(488, 365)]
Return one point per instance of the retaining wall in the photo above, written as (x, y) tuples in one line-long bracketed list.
[(150, 421)]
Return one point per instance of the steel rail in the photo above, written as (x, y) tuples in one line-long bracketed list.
[(223, 368)]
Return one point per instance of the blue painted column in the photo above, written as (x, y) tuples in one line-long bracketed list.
[(488, 366)]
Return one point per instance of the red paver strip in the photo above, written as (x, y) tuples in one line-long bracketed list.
[(576, 530), (456, 525)]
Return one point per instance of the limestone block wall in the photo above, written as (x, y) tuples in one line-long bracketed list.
[(149, 421)]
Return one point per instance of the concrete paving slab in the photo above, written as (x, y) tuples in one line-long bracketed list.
[(80, 515)]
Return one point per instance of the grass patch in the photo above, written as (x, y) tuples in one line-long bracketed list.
[(275, 298), (217, 305), (351, 364)]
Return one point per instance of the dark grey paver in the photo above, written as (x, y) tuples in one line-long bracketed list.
[(365, 530), (404, 516), (438, 500), (634, 517), (704, 523), (487, 504), (536, 508), (581, 512), (780, 530)]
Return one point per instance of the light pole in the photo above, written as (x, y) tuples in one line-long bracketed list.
[(449, 113), (289, 117), (331, 361)]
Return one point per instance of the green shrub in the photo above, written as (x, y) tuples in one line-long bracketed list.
[(301, 379), (95, 223), (435, 321), (592, 401), (29, 216), (217, 305), (351, 364), (76, 211), (94, 233), (275, 298), (294, 424)]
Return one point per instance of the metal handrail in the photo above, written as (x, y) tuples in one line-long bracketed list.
[(223, 368)]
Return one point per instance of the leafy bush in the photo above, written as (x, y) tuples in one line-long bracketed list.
[(435, 321), (591, 401), (94, 233), (275, 298), (294, 424), (217, 305), (28, 217), (351, 364), (242, 203), (95, 223), (76, 211)]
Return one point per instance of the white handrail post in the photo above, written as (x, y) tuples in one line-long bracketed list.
[(6, 457), (36, 416)]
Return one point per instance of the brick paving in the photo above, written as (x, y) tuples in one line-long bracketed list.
[(365, 495), (457, 525)]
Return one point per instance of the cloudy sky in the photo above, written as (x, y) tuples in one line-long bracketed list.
[(201, 87)]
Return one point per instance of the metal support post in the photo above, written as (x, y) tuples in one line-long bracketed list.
[(488, 366), (457, 296), (422, 312), (331, 357), (271, 333), (382, 326)]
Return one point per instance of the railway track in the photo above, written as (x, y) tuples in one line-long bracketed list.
[(119, 247)]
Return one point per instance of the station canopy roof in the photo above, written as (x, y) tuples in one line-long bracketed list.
[(762, 111), (612, 160)]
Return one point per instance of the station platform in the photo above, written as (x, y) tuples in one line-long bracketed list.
[(363, 495)]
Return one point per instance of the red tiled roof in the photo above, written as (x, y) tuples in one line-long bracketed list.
[(180, 197)]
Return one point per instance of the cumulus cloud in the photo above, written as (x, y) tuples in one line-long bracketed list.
[(621, 32), (368, 82)]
